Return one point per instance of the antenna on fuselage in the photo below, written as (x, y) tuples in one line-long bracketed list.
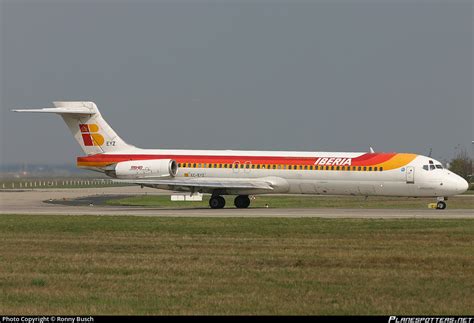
[(431, 150), (371, 150)]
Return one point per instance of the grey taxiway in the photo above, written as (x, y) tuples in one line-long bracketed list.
[(40, 202)]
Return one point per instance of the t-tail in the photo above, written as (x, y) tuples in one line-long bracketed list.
[(88, 127)]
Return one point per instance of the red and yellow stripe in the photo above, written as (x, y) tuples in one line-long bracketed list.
[(387, 161)]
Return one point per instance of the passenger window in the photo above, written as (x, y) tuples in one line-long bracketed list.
[(258, 166), (365, 168), (381, 168), (370, 169), (306, 167), (360, 168), (375, 169), (194, 165)]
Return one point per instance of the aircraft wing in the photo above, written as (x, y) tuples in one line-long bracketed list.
[(205, 184)]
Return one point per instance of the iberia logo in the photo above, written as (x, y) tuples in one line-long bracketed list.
[(91, 135)]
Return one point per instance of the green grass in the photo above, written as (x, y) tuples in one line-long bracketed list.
[(298, 201), (38, 282), (146, 265)]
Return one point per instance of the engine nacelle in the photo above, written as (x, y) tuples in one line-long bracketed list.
[(143, 169)]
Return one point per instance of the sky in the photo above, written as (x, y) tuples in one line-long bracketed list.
[(253, 75)]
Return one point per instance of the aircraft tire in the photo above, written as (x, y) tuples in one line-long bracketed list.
[(441, 205), (242, 202), (216, 202)]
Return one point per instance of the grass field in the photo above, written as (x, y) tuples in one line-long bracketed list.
[(145, 265), (299, 201)]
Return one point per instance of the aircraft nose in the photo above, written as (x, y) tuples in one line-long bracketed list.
[(461, 185), (455, 184)]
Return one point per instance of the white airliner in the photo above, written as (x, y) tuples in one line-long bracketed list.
[(244, 173)]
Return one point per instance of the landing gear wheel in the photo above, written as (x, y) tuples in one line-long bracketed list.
[(217, 202), (441, 205), (242, 202)]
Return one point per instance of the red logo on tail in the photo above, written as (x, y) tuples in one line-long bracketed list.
[(90, 135)]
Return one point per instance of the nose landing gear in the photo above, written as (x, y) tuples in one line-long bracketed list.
[(441, 205)]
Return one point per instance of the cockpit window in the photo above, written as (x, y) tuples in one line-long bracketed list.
[(432, 167)]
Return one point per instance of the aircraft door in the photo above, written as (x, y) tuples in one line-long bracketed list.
[(410, 173)]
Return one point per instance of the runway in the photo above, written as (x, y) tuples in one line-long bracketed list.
[(32, 202)]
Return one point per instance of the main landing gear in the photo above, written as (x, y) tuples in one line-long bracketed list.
[(218, 202), (242, 202)]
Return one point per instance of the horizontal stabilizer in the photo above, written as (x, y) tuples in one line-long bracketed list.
[(81, 110), (90, 130)]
